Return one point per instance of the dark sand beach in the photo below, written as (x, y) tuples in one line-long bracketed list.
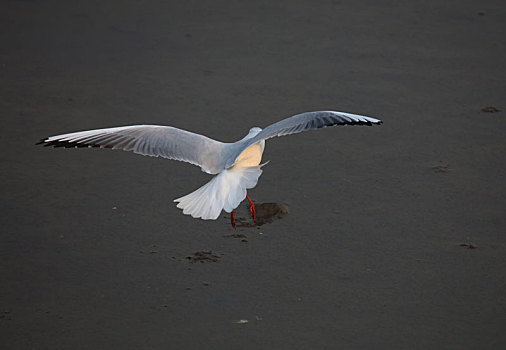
[(395, 236)]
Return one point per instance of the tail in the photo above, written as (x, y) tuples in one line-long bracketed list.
[(224, 192)]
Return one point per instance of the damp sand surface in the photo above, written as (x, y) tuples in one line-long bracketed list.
[(394, 234)]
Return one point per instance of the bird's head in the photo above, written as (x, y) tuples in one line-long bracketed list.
[(252, 132)]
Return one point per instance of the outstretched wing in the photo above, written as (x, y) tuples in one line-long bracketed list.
[(149, 140), (302, 122)]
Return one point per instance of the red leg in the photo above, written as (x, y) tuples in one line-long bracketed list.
[(252, 209), (232, 219)]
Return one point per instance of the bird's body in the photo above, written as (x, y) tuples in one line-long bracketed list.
[(237, 165), (251, 156)]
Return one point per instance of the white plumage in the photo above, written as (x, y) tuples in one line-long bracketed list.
[(236, 165), (225, 191)]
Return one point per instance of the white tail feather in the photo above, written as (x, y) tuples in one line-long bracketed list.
[(224, 192)]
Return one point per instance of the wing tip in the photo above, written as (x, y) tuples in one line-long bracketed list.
[(363, 122), (366, 121), (67, 144)]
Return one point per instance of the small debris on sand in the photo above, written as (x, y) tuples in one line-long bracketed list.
[(236, 235), (203, 256), (468, 245), (490, 109), (441, 168)]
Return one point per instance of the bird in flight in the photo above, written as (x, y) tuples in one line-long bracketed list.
[(236, 165)]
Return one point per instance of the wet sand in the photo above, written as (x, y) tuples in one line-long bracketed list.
[(395, 236)]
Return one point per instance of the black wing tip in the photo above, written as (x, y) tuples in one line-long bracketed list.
[(66, 144), (346, 118), (44, 142), (361, 122), (368, 122), (349, 122)]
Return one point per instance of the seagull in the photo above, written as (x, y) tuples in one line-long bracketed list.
[(236, 165)]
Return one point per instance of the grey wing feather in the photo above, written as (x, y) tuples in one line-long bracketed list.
[(149, 140), (302, 122)]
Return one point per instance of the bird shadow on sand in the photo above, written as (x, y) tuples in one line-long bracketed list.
[(266, 213)]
